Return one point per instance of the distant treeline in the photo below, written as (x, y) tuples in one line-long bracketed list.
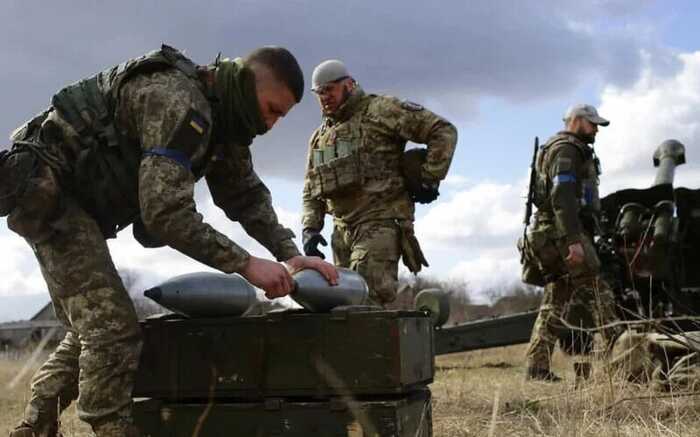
[(511, 299)]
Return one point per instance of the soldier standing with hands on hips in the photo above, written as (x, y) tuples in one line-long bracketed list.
[(358, 172)]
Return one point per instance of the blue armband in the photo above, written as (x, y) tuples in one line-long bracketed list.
[(587, 196), (176, 155), (563, 178)]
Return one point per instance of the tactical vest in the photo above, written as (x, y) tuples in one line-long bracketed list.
[(345, 159), (587, 177), (105, 178)]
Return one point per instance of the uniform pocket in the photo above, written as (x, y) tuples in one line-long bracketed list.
[(347, 172), (38, 206), (531, 272), (544, 247), (315, 183)]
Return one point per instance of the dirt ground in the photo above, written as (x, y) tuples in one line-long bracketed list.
[(483, 393)]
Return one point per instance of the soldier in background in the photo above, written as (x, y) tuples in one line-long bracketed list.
[(358, 173), (560, 242), (126, 146)]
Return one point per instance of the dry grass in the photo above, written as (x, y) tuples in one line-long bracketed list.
[(464, 391), (13, 400), (467, 384)]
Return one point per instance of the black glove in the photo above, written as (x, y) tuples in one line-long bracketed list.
[(420, 190), (311, 239), (426, 193)]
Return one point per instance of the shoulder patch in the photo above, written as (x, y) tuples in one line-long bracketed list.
[(197, 122), (190, 134), (411, 106)]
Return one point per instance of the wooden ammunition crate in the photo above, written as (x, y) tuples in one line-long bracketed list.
[(286, 354), (400, 416)]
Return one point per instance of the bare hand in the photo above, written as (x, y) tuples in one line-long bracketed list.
[(576, 255), (327, 270), (272, 277)]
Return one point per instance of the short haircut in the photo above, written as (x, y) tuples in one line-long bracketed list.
[(283, 65)]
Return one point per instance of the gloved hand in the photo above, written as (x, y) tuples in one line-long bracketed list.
[(311, 238), (427, 193), (420, 189)]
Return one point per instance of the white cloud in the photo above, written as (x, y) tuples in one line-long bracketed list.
[(478, 225), (491, 270), (472, 236), (654, 109), (484, 214)]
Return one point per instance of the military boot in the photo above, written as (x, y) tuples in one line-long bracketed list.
[(540, 374), (27, 430)]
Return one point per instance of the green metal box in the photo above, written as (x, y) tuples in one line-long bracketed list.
[(399, 416), (286, 354)]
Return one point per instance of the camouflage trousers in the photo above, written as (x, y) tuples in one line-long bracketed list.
[(96, 361), (558, 302), (373, 250)]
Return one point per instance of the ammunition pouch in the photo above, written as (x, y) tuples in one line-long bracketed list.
[(39, 202), (411, 252), (543, 255), (17, 167), (337, 176), (531, 271), (543, 260)]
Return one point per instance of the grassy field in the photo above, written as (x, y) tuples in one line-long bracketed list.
[(483, 394)]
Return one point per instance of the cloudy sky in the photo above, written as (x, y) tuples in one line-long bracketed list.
[(502, 71)]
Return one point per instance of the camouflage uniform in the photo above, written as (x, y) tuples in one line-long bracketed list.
[(165, 118), (354, 174), (568, 204)]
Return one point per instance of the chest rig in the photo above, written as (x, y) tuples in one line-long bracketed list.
[(350, 155), (585, 176), (105, 172)]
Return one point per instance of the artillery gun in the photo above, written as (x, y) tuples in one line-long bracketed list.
[(649, 247), (650, 243), (332, 369)]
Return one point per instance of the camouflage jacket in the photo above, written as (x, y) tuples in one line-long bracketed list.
[(353, 168), (168, 110), (567, 186)]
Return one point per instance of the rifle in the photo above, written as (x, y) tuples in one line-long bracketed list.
[(533, 181)]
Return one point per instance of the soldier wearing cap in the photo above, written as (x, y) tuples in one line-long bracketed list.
[(560, 241), (359, 173)]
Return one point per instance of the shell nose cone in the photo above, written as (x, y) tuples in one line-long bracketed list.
[(154, 293)]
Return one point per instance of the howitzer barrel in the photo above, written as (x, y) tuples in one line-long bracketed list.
[(669, 155)]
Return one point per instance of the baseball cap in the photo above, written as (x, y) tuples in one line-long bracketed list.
[(586, 111)]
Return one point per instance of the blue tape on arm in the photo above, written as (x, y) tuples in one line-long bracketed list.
[(563, 178), (176, 155)]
